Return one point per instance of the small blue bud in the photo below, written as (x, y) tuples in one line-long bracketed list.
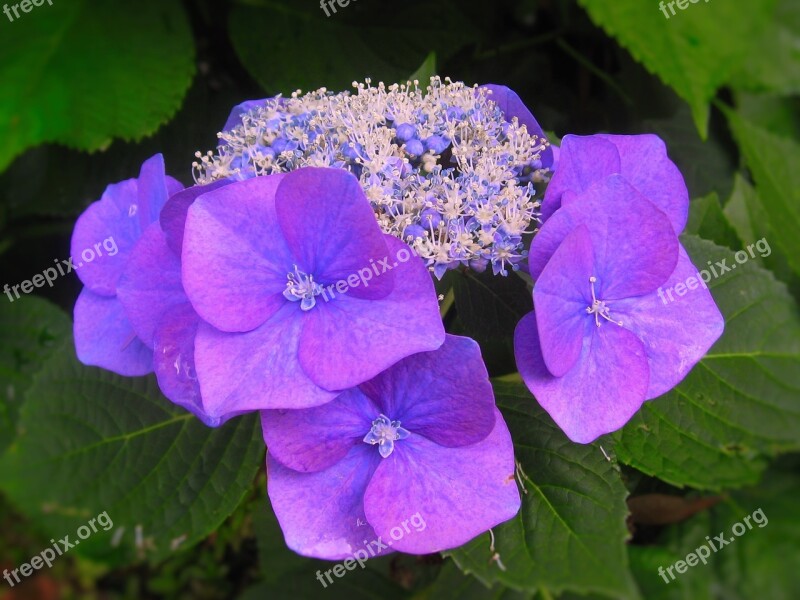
[(413, 231), (415, 148), (405, 132), (437, 144), (430, 217)]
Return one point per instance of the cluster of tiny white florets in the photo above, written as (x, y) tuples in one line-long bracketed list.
[(442, 168)]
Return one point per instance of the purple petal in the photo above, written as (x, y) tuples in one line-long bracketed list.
[(313, 439), (116, 222), (444, 395), (600, 394), (151, 283), (173, 215), (235, 118), (322, 514), (256, 370), (173, 360), (235, 259), (676, 333), (112, 219), (454, 494), (583, 160), (154, 187), (561, 296), (640, 159), (349, 340), (331, 228), (512, 106), (104, 337), (645, 164), (634, 244)]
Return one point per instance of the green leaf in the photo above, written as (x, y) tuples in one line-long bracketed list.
[(426, 70), (32, 329), (773, 161), (570, 532), (452, 584), (694, 51), (675, 543), (761, 562), (764, 561), (738, 406), (775, 65), (81, 73), (706, 220), (356, 585), (389, 40), (777, 114), (746, 214), (706, 165), (54, 181), (93, 441), (489, 308), (489, 304)]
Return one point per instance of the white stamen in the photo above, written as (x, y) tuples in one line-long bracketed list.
[(598, 307)]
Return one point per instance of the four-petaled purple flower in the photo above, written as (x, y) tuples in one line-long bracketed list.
[(260, 262), (443, 452), (600, 340)]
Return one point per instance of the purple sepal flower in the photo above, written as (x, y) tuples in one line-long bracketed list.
[(641, 159), (601, 340), (261, 260), (512, 106), (104, 336), (334, 485)]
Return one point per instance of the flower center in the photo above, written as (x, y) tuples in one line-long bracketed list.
[(599, 308), (384, 432), (302, 288)]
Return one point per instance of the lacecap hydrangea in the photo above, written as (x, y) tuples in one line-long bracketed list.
[(451, 169)]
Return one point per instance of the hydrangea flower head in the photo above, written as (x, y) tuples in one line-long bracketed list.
[(423, 438), (600, 340), (450, 169), (261, 260), (104, 335)]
